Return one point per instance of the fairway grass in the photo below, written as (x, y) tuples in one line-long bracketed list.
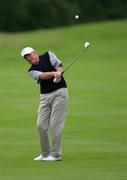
[(94, 142)]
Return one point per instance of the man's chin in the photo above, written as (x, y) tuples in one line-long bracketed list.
[(35, 63)]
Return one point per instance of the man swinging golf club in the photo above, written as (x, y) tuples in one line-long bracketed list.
[(53, 101), (48, 71)]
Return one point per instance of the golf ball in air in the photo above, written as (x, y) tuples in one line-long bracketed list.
[(76, 16)]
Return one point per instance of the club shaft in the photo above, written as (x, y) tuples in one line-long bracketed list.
[(74, 60)]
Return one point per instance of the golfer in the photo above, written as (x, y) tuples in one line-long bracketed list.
[(53, 101)]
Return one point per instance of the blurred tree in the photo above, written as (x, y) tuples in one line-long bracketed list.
[(115, 9), (91, 10), (21, 15)]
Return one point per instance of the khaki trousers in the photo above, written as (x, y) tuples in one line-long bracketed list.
[(51, 114)]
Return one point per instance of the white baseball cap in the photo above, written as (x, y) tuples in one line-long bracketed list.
[(26, 50)]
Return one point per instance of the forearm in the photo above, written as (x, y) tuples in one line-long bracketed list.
[(46, 75)]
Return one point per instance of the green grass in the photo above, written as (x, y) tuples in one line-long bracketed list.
[(95, 135)]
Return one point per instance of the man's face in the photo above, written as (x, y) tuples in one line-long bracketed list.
[(32, 58)]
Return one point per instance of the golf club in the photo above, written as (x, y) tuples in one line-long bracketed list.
[(86, 44)]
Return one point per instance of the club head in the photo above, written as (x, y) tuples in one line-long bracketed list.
[(86, 44)]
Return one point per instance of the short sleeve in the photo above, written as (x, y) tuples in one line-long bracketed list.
[(35, 75), (54, 60)]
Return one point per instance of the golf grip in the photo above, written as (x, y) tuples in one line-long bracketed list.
[(74, 60), (55, 80)]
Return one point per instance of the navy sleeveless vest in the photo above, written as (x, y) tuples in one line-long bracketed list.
[(47, 86)]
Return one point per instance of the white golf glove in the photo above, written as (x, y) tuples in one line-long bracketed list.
[(57, 77), (56, 80)]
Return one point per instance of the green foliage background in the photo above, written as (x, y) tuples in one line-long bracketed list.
[(21, 15)]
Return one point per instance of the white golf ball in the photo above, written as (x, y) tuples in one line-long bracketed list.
[(76, 16)]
